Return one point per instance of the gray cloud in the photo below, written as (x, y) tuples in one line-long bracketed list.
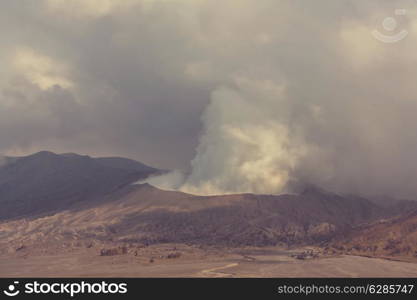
[(323, 100)]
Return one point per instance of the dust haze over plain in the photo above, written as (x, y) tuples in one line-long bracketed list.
[(245, 96)]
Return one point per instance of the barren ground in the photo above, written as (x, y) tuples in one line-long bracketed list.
[(153, 261)]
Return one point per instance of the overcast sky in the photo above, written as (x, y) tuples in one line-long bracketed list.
[(258, 94)]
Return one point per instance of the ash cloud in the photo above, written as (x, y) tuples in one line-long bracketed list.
[(244, 96)]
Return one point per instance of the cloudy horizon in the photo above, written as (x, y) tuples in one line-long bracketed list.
[(245, 95)]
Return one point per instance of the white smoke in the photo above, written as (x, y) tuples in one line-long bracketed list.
[(168, 181), (318, 102), (246, 147)]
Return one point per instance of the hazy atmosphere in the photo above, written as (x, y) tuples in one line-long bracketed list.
[(238, 95), (208, 139)]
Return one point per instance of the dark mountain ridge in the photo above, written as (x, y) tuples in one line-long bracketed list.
[(46, 181)]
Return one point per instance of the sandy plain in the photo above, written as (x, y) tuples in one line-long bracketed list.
[(155, 261)]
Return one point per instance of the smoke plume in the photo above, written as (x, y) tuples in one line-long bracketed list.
[(243, 95)]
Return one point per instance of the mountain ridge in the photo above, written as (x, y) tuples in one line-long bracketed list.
[(47, 181), (72, 200)]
